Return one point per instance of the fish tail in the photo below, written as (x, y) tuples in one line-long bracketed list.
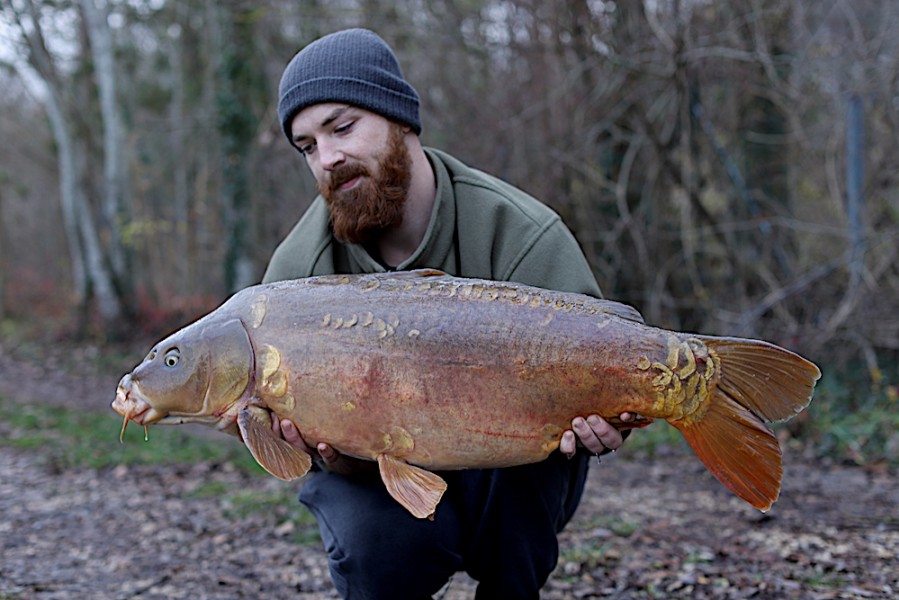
[(758, 383)]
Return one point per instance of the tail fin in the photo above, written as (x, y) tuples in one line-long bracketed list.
[(758, 383), (774, 383)]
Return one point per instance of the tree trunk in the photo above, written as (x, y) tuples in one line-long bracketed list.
[(116, 209), (3, 255), (236, 127), (68, 194), (88, 267), (180, 195)]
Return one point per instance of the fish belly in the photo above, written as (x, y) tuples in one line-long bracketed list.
[(444, 376)]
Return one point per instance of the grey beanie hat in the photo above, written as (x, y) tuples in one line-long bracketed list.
[(354, 66)]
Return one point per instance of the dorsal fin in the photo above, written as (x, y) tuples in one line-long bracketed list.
[(620, 310)]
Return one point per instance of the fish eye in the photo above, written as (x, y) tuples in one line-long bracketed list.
[(172, 357)]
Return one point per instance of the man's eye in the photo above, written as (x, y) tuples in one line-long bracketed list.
[(306, 149), (344, 128)]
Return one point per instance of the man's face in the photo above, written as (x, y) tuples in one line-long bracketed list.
[(361, 166)]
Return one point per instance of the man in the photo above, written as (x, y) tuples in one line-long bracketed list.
[(387, 203)]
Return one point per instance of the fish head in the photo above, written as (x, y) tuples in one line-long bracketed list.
[(196, 375)]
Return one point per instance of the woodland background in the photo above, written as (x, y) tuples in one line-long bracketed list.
[(728, 167)]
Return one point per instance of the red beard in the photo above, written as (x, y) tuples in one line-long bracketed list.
[(358, 215)]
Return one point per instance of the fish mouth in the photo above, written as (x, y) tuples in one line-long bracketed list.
[(131, 404)]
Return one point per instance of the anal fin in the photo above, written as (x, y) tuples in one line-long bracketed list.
[(417, 489), (274, 454)]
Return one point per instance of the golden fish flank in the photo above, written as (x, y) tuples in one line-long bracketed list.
[(682, 391)]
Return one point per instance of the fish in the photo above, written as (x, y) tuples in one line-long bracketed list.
[(421, 371)]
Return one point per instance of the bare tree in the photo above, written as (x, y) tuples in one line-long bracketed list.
[(116, 209), (698, 150), (236, 125), (91, 274)]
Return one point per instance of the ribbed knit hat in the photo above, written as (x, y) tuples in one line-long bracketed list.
[(354, 66)]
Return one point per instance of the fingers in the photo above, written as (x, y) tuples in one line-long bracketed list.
[(285, 428), (596, 434), (290, 433), (568, 444), (276, 427), (328, 454)]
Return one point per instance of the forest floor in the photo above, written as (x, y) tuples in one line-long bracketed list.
[(658, 527)]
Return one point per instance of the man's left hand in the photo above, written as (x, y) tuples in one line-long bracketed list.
[(594, 433)]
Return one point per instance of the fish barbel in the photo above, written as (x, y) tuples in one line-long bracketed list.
[(422, 371)]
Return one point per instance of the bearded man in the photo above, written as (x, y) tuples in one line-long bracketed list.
[(388, 203)]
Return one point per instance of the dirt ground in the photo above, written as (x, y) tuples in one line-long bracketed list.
[(660, 528)]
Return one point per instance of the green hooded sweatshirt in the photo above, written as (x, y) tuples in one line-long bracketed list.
[(480, 227)]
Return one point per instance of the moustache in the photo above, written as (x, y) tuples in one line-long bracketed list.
[(345, 173)]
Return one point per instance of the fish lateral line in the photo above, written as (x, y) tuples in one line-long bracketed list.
[(500, 434)]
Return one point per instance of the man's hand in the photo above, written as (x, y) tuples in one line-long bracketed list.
[(331, 459), (594, 433)]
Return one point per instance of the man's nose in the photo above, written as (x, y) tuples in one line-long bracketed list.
[(331, 156)]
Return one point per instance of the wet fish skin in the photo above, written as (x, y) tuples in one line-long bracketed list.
[(441, 372)]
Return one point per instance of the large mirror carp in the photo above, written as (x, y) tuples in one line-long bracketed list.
[(421, 371)]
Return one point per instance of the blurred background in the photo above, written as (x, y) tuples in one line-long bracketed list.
[(729, 168)]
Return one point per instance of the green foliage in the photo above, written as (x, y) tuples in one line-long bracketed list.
[(279, 502), (621, 527), (658, 438), (74, 438), (854, 416), (586, 556), (584, 553), (77, 438)]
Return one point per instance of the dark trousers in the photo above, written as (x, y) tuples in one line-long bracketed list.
[(498, 525)]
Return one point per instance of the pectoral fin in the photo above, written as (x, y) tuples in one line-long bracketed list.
[(273, 454), (417, 489)]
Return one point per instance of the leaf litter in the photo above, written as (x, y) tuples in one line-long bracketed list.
[(657, 527)]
